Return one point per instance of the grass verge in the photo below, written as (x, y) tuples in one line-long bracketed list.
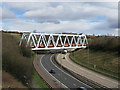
[(37, 79), (99, 61), (9, 81), (40, 81)]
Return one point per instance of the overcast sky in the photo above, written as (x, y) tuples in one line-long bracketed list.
[(56, 17)]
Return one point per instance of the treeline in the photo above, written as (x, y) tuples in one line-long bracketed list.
[(104, 43), (15, 59)]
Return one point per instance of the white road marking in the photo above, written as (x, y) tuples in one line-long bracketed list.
[(67, 73), (89, 72), (50, 74)]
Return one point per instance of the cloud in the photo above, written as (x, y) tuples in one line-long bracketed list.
[(7, 14), (110, 5), (78, 26), (73, 11), (65, 17), (25, 6), (48, 14)]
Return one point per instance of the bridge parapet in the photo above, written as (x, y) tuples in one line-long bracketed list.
[(42, 41)]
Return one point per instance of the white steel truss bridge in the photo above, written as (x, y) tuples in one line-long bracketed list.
[(44, 41)]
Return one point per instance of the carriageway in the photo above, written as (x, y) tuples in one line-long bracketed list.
[(45, 41)]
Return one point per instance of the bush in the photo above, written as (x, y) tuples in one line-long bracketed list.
[(13, 61), (104, 43), (25, 51)]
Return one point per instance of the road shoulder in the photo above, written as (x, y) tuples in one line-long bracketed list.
[(94, 76), (52, 82)]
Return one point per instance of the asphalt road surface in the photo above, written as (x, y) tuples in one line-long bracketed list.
[(60, 75)]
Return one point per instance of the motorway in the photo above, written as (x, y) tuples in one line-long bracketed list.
[(66, 79), (95, 77)]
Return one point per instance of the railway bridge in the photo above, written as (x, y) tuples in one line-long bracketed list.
[(45, 41)]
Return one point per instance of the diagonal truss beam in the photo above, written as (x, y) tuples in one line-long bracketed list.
[(40, 41)]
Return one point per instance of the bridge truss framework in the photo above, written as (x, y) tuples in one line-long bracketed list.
[(44, 41)]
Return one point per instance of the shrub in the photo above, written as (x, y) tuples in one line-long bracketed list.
[(25, 51), (13, 61), (104, 43)]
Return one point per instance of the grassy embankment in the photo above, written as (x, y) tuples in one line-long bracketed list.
[(17, 61), (101, 56), (39, 80), (10, 81)]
